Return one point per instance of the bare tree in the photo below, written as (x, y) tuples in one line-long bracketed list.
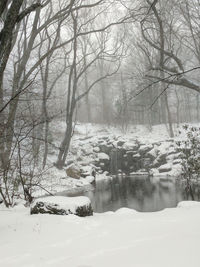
[(80, 64)]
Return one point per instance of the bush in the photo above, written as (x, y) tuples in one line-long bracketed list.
[(190, 150)]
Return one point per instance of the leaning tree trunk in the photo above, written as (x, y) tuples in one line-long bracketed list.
[(64, 148), (71, 103), (5, 50)]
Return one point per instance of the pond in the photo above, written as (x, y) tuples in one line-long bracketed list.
[(142, 193)]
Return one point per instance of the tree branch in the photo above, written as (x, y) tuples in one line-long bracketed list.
[(27, 11)]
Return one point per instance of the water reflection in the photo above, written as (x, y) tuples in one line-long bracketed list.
[(139, 193)]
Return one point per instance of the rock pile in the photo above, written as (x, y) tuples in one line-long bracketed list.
[(114, 155)]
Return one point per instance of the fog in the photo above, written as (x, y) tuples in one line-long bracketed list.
[(114, 63)]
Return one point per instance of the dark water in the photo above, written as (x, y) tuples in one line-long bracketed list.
[(141, 193)]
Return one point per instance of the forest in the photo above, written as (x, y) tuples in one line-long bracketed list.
[(117, 63), (99, 121)]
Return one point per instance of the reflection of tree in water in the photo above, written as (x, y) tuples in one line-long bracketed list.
[(121, 190), (191, 190), (140, 190), (142, 187), (196, 191)]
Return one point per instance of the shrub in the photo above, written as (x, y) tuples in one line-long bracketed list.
[(190, 151)]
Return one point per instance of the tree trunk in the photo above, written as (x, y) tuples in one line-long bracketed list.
[(177, 109), (171, 132), (198, 106), (87, 100), (64, 148)]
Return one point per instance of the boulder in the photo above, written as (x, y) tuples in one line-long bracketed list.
[(136, 156), (103, 156), (87, 171), (120, 143), (70, 162), (152, 154), (144, 149), (174, 156), (130, 146), (165, 168), (131, 152), (160, 160), (105, 137), (96, 149), (105, 148), (146, 163), (110, 143), (177, 161), (79, 158), (172, 151), (80, 206), (90, 179), (73, 172)]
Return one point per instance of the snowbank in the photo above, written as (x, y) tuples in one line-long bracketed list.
[(125, 238)]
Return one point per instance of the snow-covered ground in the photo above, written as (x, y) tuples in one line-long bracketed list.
[(126, 238), (140, 132)]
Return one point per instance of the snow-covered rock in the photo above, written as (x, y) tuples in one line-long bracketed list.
[(120, 142), (177, 170), (130, 146), (73, 171), (103, 156), (160, 160), (80, 206), (145, 148), (96, 149), (153, 153), (87, 171), (165, 168), (90, 179), (136, 156), (177, 161)]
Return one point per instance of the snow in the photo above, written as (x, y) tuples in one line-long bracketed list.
[(66, 203), (103, 156), (188, 204), (130, 146), (166, 166), (85, 151), (90, 179), (96, 149), (126, 238), (103, 176)]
